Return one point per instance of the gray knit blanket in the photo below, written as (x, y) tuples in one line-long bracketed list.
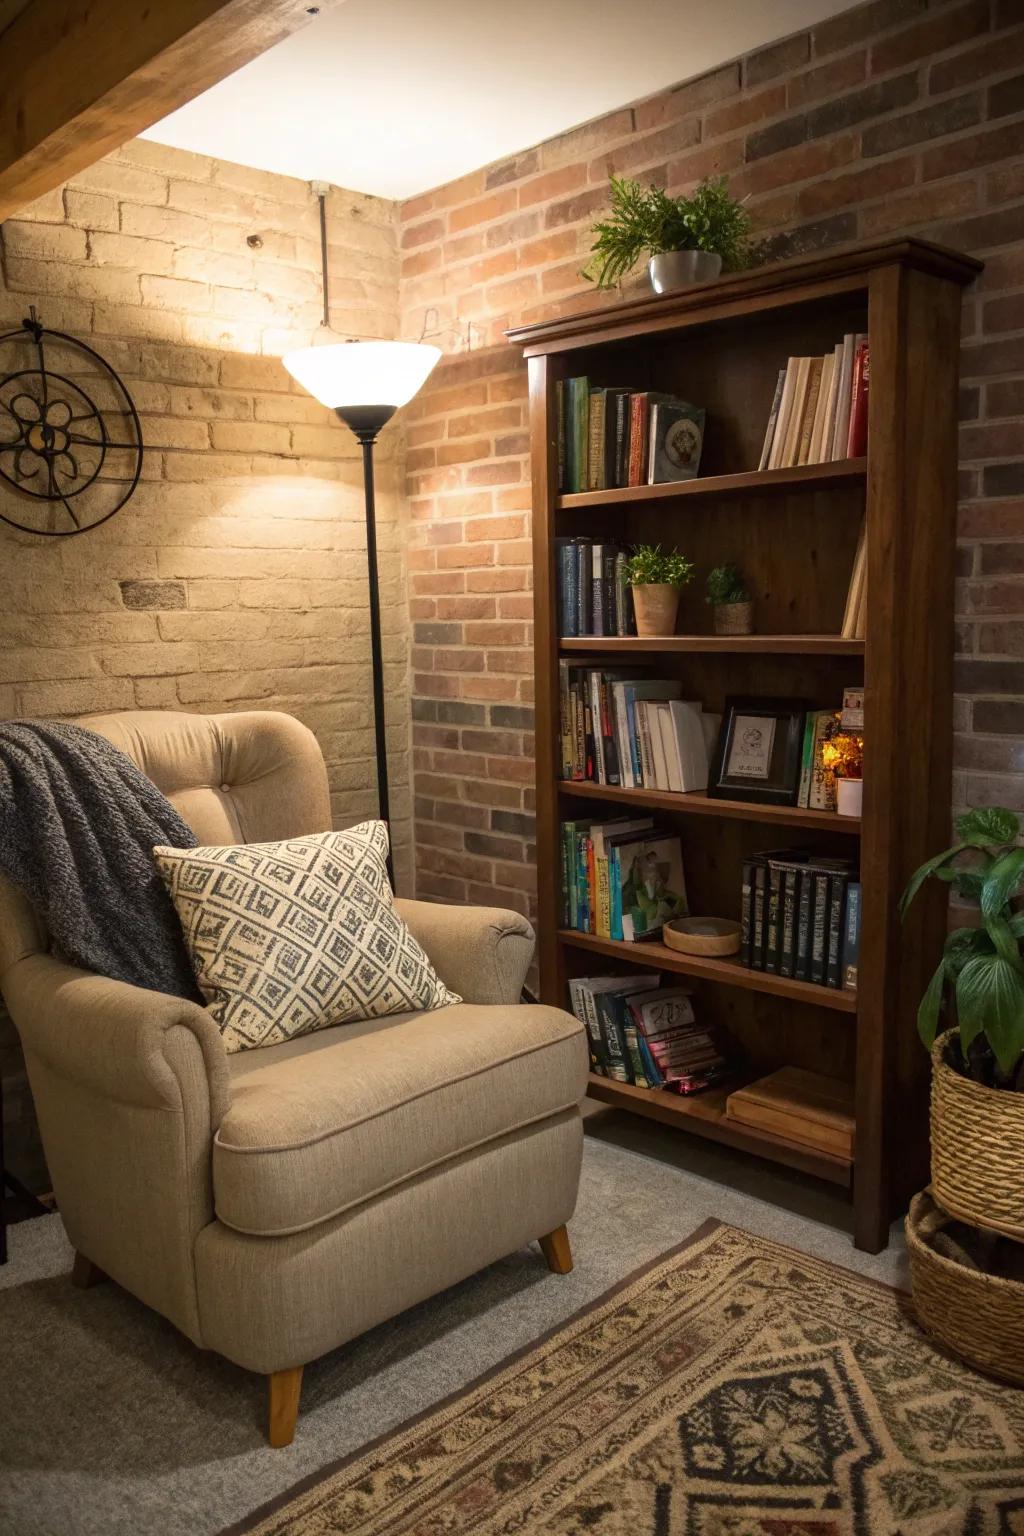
[(78, 825)]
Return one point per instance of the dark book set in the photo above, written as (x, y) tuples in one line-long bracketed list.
[(593, 595), (800, 916), (610, 438)]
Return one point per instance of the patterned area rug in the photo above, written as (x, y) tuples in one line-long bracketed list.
[(734, 1388)]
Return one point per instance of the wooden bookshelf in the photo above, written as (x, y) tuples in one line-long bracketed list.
[(794, 534)]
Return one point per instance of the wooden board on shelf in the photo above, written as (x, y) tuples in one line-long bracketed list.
[(704, 1114), (697, 803), (813, 476), (728, 972), (805, 1107), (750, 645)]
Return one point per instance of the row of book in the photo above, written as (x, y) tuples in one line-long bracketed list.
[(820, 409), (800, 916), (594, 597), (621, 879), (621, 728), (817, 791), (618, 437), (642, 1033)]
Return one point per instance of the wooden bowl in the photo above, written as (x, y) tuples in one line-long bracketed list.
[(702, 935)]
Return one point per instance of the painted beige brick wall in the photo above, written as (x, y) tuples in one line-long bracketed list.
[(235, 578)]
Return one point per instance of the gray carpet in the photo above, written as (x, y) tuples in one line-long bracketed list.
[(112, 1424)]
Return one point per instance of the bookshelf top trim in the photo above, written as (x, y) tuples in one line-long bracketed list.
[(811, 476), (849, 267)]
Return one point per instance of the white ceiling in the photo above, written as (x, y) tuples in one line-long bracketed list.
[(397, 96)]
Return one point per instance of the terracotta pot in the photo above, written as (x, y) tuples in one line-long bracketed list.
[(977, 1134), (656, 604), (671, 270), (734, 618)]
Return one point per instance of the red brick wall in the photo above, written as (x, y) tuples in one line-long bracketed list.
[(899, 116)]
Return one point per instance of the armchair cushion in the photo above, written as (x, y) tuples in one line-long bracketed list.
[(298, 935), (328, 1121)]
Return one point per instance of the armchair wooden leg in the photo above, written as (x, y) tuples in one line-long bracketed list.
[(84, 1273), (285, 1387), (555, 1248)]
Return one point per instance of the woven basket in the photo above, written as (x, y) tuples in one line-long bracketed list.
[(734, 618), (976, 1316), (977, 1148)]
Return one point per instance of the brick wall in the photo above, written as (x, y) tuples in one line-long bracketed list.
[(899, 116), (235, 578)]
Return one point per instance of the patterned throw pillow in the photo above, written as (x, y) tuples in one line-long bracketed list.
[(295, 936)]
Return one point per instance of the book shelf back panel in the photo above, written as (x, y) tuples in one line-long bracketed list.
[(730, 367)]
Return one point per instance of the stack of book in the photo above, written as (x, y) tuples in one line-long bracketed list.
[(593, 595), (618, 437), (646, 1035), (619, 727), (800, 916), (820, 409), (621, 879), (817, 791)]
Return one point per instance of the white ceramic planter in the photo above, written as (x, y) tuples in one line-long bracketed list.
[(672, 270)]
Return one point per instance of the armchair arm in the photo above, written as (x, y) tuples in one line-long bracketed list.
[(483, 953), (109, 1036), (129, 1087)]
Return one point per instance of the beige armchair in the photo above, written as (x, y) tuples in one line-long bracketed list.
[(276, 1203)]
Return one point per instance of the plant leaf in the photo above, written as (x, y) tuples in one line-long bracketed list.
[(990, 1000), (1001, 882), (930, 1006), (962, 945), (988, 826), (919, 876), (968, 883)]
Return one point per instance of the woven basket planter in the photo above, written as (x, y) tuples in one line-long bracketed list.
[(733, 618), (977, 1148), (976, 1316)]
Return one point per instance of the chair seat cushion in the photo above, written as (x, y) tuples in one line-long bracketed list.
[(324, 1122)]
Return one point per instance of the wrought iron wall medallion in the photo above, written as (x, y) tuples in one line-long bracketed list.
[(70, 438)]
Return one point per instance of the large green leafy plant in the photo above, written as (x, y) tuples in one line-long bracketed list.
[(979, 982), (644, 221)]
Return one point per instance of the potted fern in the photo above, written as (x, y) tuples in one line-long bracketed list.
[(686, 239), (966, 1274), (731, 605), (656, 577)]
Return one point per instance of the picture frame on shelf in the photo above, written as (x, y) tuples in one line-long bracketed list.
[(757, 755)]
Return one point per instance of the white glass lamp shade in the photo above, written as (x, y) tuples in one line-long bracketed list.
[(360, 373)]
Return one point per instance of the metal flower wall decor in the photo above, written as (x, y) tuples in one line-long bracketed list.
[(70, 438)]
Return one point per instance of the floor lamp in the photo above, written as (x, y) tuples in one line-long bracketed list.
[(365, 383)]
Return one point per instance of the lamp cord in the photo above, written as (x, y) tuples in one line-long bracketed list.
[(322, 199)]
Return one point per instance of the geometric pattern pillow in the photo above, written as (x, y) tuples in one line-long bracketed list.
[(295, 936)]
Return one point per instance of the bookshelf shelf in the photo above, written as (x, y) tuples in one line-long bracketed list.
[(738, 645), (794, 533), (813, 477), (727, 972), (698, 804), (704, 1115)]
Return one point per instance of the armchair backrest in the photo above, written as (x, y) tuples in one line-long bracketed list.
[(252, 777)]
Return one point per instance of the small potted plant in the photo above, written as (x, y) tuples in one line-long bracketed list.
[(731, 605), (972, 1019), (656, 577), (686, 239)]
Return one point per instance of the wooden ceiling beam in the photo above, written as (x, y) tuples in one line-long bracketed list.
[(80, 77)]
